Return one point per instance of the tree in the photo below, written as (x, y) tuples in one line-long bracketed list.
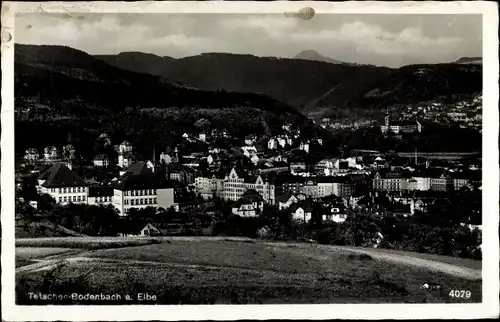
[(202, 124), (361, 228)]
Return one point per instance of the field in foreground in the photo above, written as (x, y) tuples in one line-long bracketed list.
[(208, 271)]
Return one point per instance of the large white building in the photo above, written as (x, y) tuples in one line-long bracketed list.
[(400, 126), (208, 186), (100, 196), (237, 182), (64, 185), (139, 188)]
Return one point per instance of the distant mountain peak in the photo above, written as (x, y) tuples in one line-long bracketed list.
[(311, 54), (469, 60)]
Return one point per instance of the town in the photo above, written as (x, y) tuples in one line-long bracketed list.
[(172, 188)]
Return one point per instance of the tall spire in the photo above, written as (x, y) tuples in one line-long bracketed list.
[(154, 155)]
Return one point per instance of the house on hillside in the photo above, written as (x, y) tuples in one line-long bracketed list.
[(249, 151), (145, 229), (302, 211), (290, 201), (244, 208), (63, 184), (336, 213)]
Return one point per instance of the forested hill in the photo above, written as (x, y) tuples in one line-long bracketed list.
[(59, 85), (311, 85)]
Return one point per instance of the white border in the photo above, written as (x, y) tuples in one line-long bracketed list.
[(490, 305)]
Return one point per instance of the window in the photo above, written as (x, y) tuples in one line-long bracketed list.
[(154, 200), (59, 190), (60, 199), (78, 198), (142, 201), (83, 198), (65, 199), (74, 198), (132, 202)]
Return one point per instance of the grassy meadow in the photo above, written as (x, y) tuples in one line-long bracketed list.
[(204, 271)]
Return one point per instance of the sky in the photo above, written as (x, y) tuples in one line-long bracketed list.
[(383, 40)]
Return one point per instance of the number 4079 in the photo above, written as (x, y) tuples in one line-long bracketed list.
[(460, 294)]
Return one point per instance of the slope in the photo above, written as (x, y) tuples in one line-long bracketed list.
[(313, 85), (67, 89)]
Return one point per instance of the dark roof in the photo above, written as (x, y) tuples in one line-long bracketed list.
[(138, 176), (242, 201), (139, 168), (100, 191), (59, 175), (307, 205), (252, 195)]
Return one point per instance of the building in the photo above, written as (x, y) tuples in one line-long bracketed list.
[(69, 152), (249, 151), (304, 146), (51, 154), (337, 213), (290, 201), (142, 230), (302, 211), (244, 208), (31, 155), (442, 183), (250, 139), (125, 158), (139, 188), (100, 195), (181, 173), (167, 158), (400, 126), (393, 181), (272, 144), (250, 204), (101, 160), (338, 186), (63, 184), (238, 181), (210, 186)]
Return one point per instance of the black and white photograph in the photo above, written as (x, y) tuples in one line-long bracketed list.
[(300, 156)]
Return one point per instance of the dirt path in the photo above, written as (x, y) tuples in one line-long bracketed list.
[(449, 269), (454, 270)]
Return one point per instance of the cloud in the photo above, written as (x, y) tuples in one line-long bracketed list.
[(357, 38)]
